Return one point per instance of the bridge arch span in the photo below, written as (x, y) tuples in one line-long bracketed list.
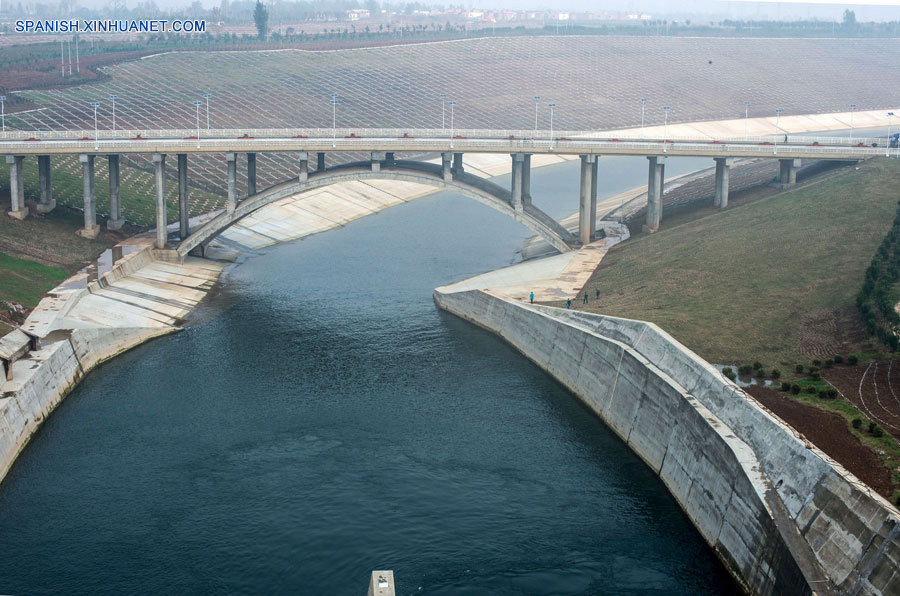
[(469, 185)]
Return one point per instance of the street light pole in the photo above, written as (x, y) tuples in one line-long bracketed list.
[(334, 103), (3, 113), (451, 104), (198, 103), (537, 99), (746, 119), (206, 96), (95, 105), (113, 98), (443, 108), (551, 106), (666, 129), (643, 105), (777, 119), (887, 148), (852, 109)]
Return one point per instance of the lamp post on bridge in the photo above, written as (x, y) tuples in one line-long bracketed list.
[(3, 114), (198, 103), (777, 119), (551, 106), (537, 99), (887, 146), (643, 105), (746, 119), (666, 129), (95, 105), (334, 103), (451, 104), (852, 109), (206, 96), (443, 97), (113, 99)]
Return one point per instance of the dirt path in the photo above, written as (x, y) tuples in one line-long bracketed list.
[(829, 432), (873, 388)]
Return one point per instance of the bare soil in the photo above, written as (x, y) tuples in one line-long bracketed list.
[(829, 432), (874, 388)]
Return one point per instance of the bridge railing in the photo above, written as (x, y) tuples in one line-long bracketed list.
[(426, 133)]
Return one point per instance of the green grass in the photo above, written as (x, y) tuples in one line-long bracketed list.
[(25, 282), (773, 280)]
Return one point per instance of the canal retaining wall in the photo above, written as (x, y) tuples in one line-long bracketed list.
[(87, 320), (782, 516)]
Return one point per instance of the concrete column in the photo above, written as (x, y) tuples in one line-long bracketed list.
[(90, 229), (184, 205), (320, 161), (376, 158), (594, 173), (787, 173), (526, 180), (446, 161), (251, 174), (457, 163), (47, 203), (584, 210), (231, 158), (723, 167), (304, 166), (16, 187), (518, 161), (654, 192), (115, 221), (159, 165), (389, 158)]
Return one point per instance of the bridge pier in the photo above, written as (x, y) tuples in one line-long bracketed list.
[(526, 179), (231, 158), (594, 175), (446, 170), (787, 173), (518, 162), (18, 209), (588, 201), (304, 166), (115, 221), (159, 165), (376, 158), (389, 158), (457, 163), (251, 174), (723, 168), (47, 204), (320, 161), (655, 182), (184, 210), (90, 230)]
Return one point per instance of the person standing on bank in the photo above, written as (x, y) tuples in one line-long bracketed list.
[(585, 297), (568, 303), (531, 297)]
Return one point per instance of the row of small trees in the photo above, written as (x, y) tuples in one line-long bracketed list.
[(877, 298)]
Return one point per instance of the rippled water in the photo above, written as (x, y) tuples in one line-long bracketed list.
[(320, 419)]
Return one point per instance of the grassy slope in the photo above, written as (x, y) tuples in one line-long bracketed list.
[(750, 282), (25, 282)]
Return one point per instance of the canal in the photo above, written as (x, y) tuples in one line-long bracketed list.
[(320, 418)]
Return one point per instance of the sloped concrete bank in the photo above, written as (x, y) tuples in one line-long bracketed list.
[(782, 516), (86, 320)]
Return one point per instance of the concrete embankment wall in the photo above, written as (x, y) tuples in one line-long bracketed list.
[(781, 515), (83, 323)]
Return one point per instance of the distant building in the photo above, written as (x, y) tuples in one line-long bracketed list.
[(357, 14)]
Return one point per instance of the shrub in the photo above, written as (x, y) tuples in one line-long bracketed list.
[(877, 432), (832, 393), (799, 369), (852, 359), (811, 389), (745, 370), (785, 386), (857, 422), (817, 363), (729, 374), (757, 365), (872, 426), (813, 369), (838, 359), (776, 374), (829, 363), (795, 389), (761, 373), (727, 370), (815, 376)]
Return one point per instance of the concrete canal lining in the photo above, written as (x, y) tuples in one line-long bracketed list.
[(782, 516)]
